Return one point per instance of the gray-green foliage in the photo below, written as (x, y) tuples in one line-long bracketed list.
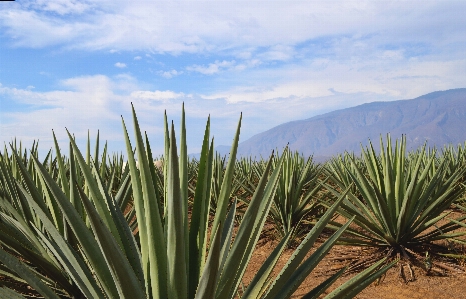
[(64, 233), (399, 199), (297, 195), (299, 191)]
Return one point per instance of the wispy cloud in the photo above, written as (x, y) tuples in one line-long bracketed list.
[(212, 68), (157, 95), (83, 103), (120, 65), (277, 53), (60, 7), (170, 74), (199, 26)]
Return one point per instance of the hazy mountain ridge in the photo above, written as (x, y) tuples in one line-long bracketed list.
[(437, 117)]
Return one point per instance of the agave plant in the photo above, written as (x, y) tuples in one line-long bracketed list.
[(297, 194), (456, 158), (338, 167), (401, 200), (68, 238), (218, 171), (243, 184)]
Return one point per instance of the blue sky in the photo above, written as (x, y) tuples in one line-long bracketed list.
[(80, 64)]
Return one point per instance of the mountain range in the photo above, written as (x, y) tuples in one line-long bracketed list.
[(437, 118)]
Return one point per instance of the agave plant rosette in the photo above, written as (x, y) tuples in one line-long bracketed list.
[(65, 235), (456, 159), (401, 201), (297, 193)]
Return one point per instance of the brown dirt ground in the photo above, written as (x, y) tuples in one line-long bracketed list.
[(391, 286), (435, 286)]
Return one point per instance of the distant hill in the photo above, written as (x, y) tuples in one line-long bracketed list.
[(438, 118)]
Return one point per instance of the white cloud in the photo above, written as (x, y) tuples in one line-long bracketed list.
[(83, 103), (289, 93), (402, 79), (61, 7), (170, 74), (392, 54), (137, 58), (194, 26), (277, 53), (120, 65), (212, 68), (157, 95)]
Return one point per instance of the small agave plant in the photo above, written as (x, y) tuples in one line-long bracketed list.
[(64, 234)]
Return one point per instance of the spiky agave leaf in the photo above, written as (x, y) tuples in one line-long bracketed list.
[(401, 199)]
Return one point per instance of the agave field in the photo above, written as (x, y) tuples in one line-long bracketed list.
[(77, 224)]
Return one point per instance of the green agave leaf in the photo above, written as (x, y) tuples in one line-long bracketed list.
[(224, 196), (7, 272), (153, 244), (30, 184), (73, 193), (8, 182), (317, 291), (24, 272), (139, 208), (84, 236), (52, 205), (130, 246), (183, 173), (126, 281), (280, 283), (20, 204), (372, 195), (96, 189), (445, 197), (414, 207), (166, 154), (177, 268), (9, 293), (198, 226), (301, 272), (248, 233), (227, 235), (258, 285), (208, 281), (356, 284), (68, 258), (123, 195), (103, 162), (61, 167), (406, 210), (355, 206), (74, 267), (155, 179), (124, 237), (47, 264), (22, 232), (96, 151)]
